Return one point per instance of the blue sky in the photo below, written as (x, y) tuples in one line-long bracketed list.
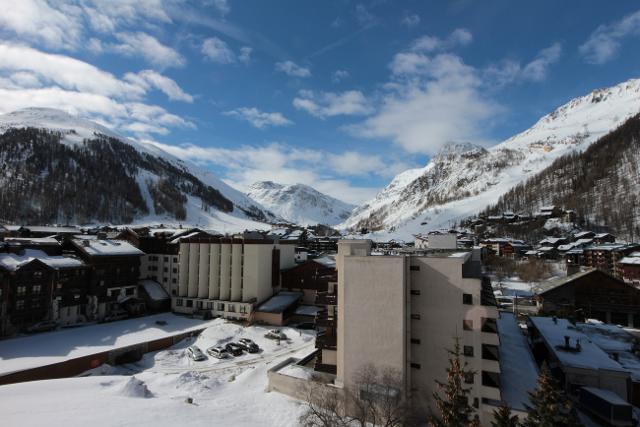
[(341, 95)]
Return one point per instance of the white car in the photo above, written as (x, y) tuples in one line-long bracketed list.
[(276, 334), (196, 354), (218, 352)]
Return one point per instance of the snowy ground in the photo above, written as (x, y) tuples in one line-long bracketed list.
[(227, 392)]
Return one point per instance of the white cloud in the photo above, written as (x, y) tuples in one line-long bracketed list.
[(603, 44), (259, 119), (432, 98), (509, 71), (245, 54), (40, 21), (339, 75), (329, 104), (146, 46), (32, 78), (223, 6), (290, 68), (458, 37), (410, 20), (151, 79), (363, 16), (217, 50), (242, 166)]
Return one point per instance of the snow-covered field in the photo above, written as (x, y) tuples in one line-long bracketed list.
[(228, 392)]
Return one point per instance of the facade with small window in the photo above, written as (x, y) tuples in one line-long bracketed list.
[(226, 276), (113, 270), (403, 312)]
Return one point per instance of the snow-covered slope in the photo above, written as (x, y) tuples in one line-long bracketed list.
[(463, 179), (299, 203), (240, 211)]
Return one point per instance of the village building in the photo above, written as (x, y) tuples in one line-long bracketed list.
[(114, 270), (605, 256), (402, 312), (629, 269), (310, 277), (591, 294), (515, 250), (602, 238), (229, 276)]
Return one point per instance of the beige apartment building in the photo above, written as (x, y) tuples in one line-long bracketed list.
[(403, 311), (228, 276)]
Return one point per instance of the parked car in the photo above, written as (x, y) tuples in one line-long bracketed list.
[(218, 352), (44, 326), (196, 354), (248, 345), (276, 334), (234, 349)]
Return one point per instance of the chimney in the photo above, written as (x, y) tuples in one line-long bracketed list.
[(86, 243), (615, 356), (566, 341)]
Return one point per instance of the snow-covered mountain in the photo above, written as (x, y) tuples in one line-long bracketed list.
[(299, 203), (463, 179), (61, 168)]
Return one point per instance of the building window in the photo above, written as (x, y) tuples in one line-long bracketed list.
[(37, 274), (243, 309), (231, 308), (414, 268), (489, 325), (490, 352), (415, 291), (415, 341), (221, 307), (165, 279), (101, 283), (21, 291), (20, 304), (189, 303), (476, 403), (415, 365), (491, 379), (467, 299), (175, 270), (175, 259), (129, 291), (415, 316), (178, 302), (166, 259), (166, 269), (467, 325), (174, 280), (469, 377), (468, 350)]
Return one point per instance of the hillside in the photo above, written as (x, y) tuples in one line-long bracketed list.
[(602, 184), (300, 204), (56, 168), (463, 179)]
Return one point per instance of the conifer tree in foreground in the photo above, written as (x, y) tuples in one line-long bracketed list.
[(550, 406), (453, 401), (502, 417)]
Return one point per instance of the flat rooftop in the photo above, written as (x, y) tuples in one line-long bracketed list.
[(58, 346), (590, 355), (518, 369)]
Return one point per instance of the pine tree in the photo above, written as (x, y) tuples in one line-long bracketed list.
[(551, 407), (502, 417), (453, 405)]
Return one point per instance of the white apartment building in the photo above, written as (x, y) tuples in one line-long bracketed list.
[(403, 312), (228, 276)]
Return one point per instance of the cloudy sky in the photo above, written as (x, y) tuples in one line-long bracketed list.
[(341, 95)]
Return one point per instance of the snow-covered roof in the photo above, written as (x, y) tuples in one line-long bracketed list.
[(532, 252), (326, 261), (581, 234), (518, 369), (546, 249), (105, 247), (34, 240), (154, 289), (630, 260), (552, 240), (12, 261), (614, 340), (602, 235), (51, 229), (280, 302), (583, 241), (590, 356), (566, 247)]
